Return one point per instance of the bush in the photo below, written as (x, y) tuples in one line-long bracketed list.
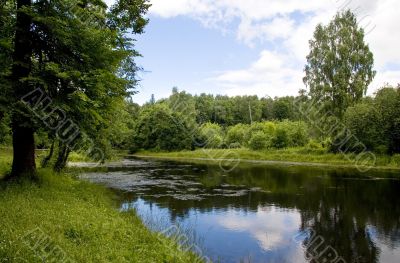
[(237, 134), (258, 141), (268, 128), (314, 145), (297, 133), (211, 135), (281, 139)]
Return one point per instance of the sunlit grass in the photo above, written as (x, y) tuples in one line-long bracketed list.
[(78, 218)]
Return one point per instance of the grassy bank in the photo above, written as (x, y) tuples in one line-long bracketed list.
[(5, 160), (60, 217), (300, 155)]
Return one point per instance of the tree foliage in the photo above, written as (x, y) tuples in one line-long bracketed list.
[(79, 54), (375, 122), (159, 128), (339, 65)]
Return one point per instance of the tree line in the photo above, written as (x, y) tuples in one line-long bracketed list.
[(200, 121)]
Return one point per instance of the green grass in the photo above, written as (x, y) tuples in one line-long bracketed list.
[(300, 155), (76, 218), (115, 155), (5, 160)]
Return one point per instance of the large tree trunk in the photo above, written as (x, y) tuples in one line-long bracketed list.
[(23, 140), (24, 152)]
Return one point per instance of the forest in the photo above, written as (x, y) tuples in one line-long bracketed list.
[(185, 122), (69, 102)]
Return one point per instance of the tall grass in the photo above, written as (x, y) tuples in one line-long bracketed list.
[(76, 218)]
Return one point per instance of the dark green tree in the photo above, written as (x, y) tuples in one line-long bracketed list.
[(283, 108), (79, 55), (387, 104), (204, 108), (159, 128), (152, 99)]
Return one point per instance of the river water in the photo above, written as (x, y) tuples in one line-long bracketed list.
[(264, 213)]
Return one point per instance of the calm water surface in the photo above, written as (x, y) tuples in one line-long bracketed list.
[(261, 213)]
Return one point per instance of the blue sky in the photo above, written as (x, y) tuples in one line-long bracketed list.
[(181, 52), (251, 47)]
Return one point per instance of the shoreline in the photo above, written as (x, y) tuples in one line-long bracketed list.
[(169, 156)]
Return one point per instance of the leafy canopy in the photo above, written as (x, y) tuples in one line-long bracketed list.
[(339, 65)]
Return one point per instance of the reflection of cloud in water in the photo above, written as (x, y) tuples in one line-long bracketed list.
[(271, 227), (389, 252)]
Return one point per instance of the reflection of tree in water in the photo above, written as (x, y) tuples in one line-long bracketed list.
[(343, 216), (339, 210)]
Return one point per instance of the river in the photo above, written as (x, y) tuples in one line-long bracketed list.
[(263, 213)]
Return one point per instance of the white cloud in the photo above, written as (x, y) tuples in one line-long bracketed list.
[(384, 38), (272, 74), (284, 29)]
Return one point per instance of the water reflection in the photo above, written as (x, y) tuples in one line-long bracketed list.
[(256, 211)]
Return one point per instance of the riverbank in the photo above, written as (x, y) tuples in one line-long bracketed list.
[(64, 219), (294, 156)]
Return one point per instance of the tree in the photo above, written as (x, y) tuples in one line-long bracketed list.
[(374, 122), (267, 105), (22, 130), (184, 107), (283, 108), (204, 107), (7, 21), (152, 99), (364, 122), (77, 53), (339, 65), (159, 128), (246, 109), (387, 103)]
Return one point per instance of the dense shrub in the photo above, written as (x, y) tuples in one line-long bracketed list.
[(258, 141), (314, 145), (387, 102), (375, 123), (268, 128), (237, 135), (362, 120), (281, 139), (297, 133), (211, 135)]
